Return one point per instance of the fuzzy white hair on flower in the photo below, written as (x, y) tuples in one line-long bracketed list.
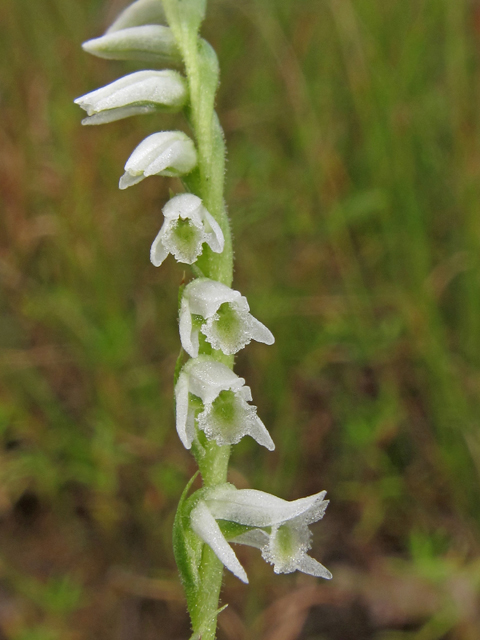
[(187, 226), (167, 153), (227, 323), (278, 528), (208, 394), (138, 93)]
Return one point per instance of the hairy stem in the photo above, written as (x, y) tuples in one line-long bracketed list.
[(207, 181)]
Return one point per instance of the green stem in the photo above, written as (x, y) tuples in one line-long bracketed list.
[(207, 181)]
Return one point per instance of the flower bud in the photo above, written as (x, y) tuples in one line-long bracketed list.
[(139, 13), (168, 153), (138, 93), (149, 43)]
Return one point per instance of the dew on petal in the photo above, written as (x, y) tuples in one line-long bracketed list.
[(227, 418), (184, 240), (228, 328)]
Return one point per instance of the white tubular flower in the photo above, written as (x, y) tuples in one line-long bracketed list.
[(149, 43), (139, 13), (187, 226), (278, 528), (138, 93), (227, 323), (223, 413), (168, 153)]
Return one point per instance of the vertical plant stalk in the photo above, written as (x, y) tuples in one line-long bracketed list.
[(206, 181)]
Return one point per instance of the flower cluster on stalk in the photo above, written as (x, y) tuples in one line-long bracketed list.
[(212, 402)]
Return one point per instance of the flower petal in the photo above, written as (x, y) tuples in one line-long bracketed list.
[(139, 13), (178, 159), (229, 418), (316, 510), (161, 89), (259, 432), (185, 427), (209, 377), (168, 153), (112, 115), (206, 296), (311, 566), (256, 508), (206, 527), (214, 233), (158, 251), (129, 179), (184, 205), (150, 43), (147, 151), (254, 538), (228, 329), (259, 332), (188, 336)]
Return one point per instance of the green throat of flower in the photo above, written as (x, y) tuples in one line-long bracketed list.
[(225, 410), (186, 239)]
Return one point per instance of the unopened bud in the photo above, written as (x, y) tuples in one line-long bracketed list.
[(149, 43), (137, 93), (168, 153)]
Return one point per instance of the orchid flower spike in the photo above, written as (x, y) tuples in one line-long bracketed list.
[(138, 93), (208, 394), (168, 153), (187, 226), (277, 527), (227, 323)]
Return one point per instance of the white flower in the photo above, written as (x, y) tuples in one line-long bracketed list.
[(220, 408), (138, 93), (187, 226), (149, 43), (227, 323), (139, 13), (168, 153), (278, 528)]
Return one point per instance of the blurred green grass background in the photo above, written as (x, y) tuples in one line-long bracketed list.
[(353, 186)]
